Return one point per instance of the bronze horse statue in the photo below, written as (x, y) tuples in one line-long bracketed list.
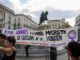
[(43, 17)]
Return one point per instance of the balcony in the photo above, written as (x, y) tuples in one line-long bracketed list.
[(1, 20), (9, 22), (0, 25)]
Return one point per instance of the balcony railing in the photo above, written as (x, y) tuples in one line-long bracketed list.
[(9, 22), (1, 20)]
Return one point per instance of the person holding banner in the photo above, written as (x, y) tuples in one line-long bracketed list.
[(26, 50), (9, 50), (2, 39), (73, 50), (53, 53)]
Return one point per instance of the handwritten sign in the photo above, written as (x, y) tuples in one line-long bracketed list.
[(47, 37)]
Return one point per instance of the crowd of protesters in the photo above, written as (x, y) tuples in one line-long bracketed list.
[(73, 51), (7, 49)]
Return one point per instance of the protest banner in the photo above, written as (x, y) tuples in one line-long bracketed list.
[(52, 37)]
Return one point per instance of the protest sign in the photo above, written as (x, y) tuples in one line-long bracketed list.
[(56, 37)]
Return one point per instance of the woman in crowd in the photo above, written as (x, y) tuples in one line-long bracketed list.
[(27, 50), (9, 51), (2, 40), (73, 50)]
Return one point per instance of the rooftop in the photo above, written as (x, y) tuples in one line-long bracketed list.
[(6, 8)]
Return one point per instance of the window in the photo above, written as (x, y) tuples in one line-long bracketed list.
[(15, 19), (78, 24), (2, 15), (9, 27), (19, 19), (0, 25), (9, 19)]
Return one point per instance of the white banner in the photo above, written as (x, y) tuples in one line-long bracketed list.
[(47, 37)]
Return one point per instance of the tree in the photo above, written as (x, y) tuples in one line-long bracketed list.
[(67, 25)]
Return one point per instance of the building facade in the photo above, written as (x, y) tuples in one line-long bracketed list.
[(44, 27), (77, 21), (6, 18), (24, 22), (56, 24)]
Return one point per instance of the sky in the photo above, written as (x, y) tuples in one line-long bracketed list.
[(57, 9)]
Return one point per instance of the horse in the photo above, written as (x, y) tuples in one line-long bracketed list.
[(43, 17)]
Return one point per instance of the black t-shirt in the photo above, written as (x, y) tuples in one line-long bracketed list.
[(12, 57), (53, 52)]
